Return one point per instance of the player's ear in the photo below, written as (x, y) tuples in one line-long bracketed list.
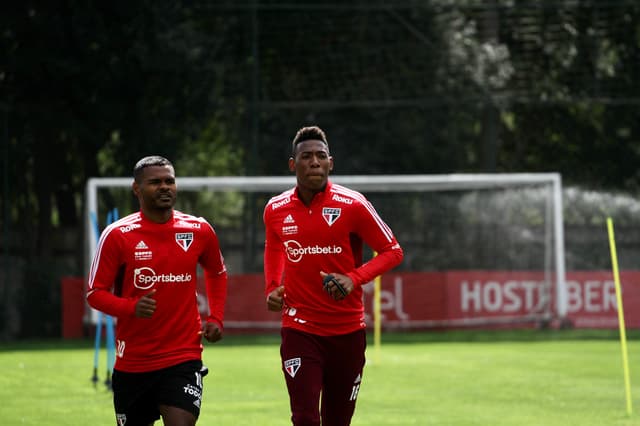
[(292, 164), (330, 163), (135, 188)]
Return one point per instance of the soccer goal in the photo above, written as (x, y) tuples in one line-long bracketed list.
[(480, 249)]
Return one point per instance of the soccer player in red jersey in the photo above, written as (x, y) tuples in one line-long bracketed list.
[(144, 274), (314, 272)]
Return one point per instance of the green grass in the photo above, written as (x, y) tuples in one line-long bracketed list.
[(522, 378)]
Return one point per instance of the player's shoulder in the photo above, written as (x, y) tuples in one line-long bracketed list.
[(281, 200), (125, 225), (189, 221), (347, 196)]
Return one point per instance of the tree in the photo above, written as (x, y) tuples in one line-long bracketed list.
[(89, 89)]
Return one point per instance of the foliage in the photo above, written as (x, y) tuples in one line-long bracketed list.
[(221, 87)]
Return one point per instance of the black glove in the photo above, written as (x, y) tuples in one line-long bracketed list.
[(331, 279)]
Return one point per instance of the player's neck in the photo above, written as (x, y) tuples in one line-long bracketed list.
[(307, 195), (158, 215)]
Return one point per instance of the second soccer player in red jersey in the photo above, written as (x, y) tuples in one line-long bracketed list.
[(144, 273), (314, 272)]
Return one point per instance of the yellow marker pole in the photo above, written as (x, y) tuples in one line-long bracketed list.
[(377, 316), (623, 337), (377, 322)]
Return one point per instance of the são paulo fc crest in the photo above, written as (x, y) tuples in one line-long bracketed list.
[(121, 419), (291, 366), (331, 214), (184, 239)]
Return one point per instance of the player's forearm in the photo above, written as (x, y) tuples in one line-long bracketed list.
[(216, 296), (383, 262), (111, 304), (273, 268)]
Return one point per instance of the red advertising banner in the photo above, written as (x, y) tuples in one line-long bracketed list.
[(420, 300), (591, 298), (423, 300), (72, 306)]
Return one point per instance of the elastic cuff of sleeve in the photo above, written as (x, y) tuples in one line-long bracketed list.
[(216, 322), (354, 279), (131, 307)]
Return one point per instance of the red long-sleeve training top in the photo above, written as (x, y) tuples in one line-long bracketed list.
[(327, 236), (135, 256)]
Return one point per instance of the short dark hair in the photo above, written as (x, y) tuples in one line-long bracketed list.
[(309, 133), (151, 160)]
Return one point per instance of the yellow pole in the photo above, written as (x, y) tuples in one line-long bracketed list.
[(377, 329), (377, 314), (623, 337)]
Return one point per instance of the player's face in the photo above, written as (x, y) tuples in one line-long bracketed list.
[(312, 164), (157, 188)]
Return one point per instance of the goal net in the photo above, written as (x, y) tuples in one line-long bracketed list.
[(480, 249)]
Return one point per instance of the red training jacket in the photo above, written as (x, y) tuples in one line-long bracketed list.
[(135, 256), (327, 236)]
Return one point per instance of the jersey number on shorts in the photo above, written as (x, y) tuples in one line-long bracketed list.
[(354, 392)]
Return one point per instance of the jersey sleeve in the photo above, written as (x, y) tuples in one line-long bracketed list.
[(215, 274), (377, 235), (216, 284), (104, 270), (273, 257)]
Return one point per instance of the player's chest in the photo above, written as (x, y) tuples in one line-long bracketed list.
[(163, 248), (317, 223)]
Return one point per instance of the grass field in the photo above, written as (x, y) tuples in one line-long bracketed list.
[(521, 378)]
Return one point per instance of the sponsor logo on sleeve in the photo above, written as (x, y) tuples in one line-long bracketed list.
[(279, 204), (131, 227), (340, 199), (185, 224)]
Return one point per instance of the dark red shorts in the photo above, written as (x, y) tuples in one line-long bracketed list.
[(325, 371), (136, 396)]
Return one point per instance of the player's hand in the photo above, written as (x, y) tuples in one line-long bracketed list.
[(211, 331), (275, 301), (146, 305), (333, 289)]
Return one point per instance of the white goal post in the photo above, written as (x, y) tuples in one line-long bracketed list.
[(366, 184)]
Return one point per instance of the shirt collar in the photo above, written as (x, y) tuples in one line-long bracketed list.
[(318, 196)]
